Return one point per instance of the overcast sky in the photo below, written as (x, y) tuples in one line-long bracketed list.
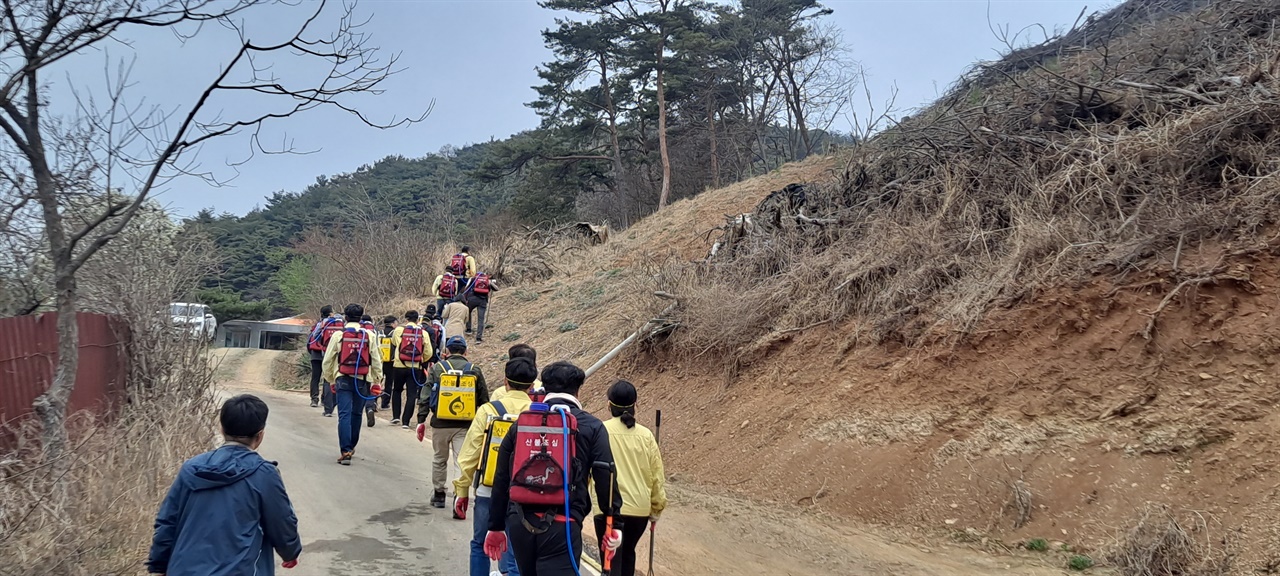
[(476, 59)]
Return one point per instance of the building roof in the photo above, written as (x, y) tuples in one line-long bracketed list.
[(292, 321)]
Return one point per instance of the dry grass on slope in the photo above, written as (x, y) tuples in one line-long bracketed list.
[(1094, 161)]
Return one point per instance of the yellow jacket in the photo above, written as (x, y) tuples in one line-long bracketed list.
[(471, 265), (329, 367), (395, 346), (515, 402), (435, 286), (640, 476)]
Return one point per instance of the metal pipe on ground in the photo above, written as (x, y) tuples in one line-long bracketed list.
[(630, 339)]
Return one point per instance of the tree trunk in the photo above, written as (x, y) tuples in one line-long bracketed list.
[(51, 407), (662, 130), (613, 122), (711, 134)]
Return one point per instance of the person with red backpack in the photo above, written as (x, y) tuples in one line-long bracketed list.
[(462, 264), (445, 288), (352, 363), (476, 297), (411, 352), (317, 343), (541, 486)]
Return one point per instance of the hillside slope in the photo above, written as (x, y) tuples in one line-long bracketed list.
[(1060, 326), (1059, 394)]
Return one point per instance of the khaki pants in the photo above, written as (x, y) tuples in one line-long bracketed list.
[(442, 440)]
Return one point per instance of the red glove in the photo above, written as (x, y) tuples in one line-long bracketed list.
[(495, 544), (290, 564), (460, 508), (422, 431)]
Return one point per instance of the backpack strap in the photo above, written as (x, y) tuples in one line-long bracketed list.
[(502, 410), (467, 368)]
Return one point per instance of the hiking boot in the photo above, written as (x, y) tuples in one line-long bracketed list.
[(345, 459), (328, 414), (406, 427), (368, 417), (395, 421), (315, 403), (437, 499), (479, 340)]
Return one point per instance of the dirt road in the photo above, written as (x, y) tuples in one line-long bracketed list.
[(374, 518)]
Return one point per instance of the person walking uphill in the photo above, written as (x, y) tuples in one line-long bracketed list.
[(478, 457), (476, 297), (227, 511), (544, 541), (641, 479), (457, 388), (317, 342), (351, 366), (388, 365), (445, 288), (411, 350), (455, 319)]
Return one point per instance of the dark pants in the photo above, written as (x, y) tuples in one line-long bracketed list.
[(479, 529), (624, 558), (350, 410), (480, 307), (327, 400), (389, 370), (316, 363), (545, 554), (410, 381)]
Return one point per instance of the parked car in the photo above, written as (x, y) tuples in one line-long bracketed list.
[(195, 320)]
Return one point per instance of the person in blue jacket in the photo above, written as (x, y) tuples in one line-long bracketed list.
[(227, 513)]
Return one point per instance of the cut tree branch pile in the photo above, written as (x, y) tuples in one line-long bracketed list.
[(1114, 148)]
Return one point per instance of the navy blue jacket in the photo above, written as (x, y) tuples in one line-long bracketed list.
[(224, 514)]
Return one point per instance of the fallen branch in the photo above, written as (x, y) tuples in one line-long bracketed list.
[(1168, 89), (804, 328), (1207, 279)]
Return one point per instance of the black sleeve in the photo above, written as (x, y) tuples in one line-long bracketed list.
[(605, 481), (501, 497), (482, 389)]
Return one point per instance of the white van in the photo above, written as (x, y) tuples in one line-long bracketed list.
[(193, 319)]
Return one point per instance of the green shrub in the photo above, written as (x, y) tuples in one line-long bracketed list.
[(512, 337), (1037, 545), (568, 327), (1080, 563)]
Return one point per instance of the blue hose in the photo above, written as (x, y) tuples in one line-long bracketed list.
[(568, 535), (354, 386)]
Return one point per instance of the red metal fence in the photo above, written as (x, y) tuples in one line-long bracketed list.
[(29, 353)]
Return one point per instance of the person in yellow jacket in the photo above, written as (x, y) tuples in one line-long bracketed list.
[(520, 372), (640, 477), (471, 262), (409, 375), (351, 365)]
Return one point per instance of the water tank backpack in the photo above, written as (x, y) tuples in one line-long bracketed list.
[(367, 325), (354, 355), (493, 435), (384, 346), (412, 344), (458, 264), (481, 285), (538, 394), (448, 286), (546, 442), (455, 397), (321, 342)]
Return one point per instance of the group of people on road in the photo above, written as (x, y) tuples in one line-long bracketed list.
[(529, 453)]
